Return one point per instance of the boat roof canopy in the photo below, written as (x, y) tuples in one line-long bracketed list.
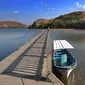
[(61, 44)]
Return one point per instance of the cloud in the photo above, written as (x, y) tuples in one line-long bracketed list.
[(54, 8), (51, 8), (81, 7), (46, 6), (35, 7), (43, 4), (71, 9), (15, 12)]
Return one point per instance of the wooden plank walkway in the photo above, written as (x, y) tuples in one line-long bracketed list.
[(27, 68)]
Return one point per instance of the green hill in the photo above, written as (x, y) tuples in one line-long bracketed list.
[(72, 20)]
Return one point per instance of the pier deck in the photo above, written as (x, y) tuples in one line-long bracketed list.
[(27, 65), (27, 69)]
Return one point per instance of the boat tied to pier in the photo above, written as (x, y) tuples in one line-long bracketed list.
[(63, 61)]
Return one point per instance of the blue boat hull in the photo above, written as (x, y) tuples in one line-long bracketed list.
[(64, 64)]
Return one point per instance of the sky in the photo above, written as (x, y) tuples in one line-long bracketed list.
[(27, 11)]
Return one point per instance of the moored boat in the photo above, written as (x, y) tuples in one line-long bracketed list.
[(63, 61)]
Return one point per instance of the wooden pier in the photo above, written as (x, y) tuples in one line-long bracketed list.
[(31, 64)]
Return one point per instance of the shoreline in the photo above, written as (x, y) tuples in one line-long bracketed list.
[(61, 29), (67, 29), (12, 27), (41, 29)]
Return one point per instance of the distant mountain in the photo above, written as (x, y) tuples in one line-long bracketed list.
[(71, 20), (11, 24)]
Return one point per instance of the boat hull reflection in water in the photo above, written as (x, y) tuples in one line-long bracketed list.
[(63, 61)]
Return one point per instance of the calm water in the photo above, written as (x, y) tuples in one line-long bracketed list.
[(77, 39), (12, 39)]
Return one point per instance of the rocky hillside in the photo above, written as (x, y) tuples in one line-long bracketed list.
[(38, 22), (71, 20), (73, 15), (11, 24)]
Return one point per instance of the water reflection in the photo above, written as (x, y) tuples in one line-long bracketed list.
[(67, 81), (77, 39), (12, 39)]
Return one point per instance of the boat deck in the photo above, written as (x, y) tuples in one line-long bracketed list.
[(57, 57)]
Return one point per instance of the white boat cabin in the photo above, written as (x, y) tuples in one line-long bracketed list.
[(61, 44)]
